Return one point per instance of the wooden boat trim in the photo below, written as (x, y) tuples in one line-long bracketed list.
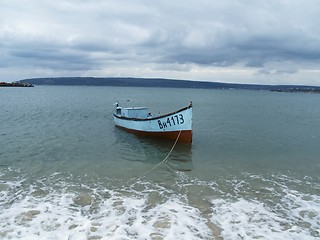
[(153, 118)]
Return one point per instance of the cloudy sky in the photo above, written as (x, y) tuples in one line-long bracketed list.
[(242, 41)]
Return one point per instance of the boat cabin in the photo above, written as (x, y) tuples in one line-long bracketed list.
[(133, 112)]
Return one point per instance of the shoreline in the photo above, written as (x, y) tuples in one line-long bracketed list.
[(15, 84)]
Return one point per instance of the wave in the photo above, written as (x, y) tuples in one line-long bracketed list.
[(63, 206)]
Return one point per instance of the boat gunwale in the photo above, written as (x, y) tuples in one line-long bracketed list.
[(152, 118)]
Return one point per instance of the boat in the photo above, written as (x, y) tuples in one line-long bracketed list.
[(175, 125)]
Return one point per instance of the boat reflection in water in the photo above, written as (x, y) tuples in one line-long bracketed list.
[(152, 151)]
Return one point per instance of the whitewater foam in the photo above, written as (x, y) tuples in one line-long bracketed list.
[(62, 207), (98, 214)]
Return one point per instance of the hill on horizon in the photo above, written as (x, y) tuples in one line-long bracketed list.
[(160, 82)]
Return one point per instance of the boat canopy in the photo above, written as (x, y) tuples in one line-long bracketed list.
[(134, 112)]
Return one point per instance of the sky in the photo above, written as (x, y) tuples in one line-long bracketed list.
[(236, 41)]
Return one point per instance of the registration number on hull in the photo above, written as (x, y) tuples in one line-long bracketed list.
[(171, 121)]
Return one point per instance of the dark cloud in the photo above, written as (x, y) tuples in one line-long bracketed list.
[(162, 37)]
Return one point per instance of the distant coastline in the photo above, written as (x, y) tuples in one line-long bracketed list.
[(298, 89), (162, 82), (15, 84)]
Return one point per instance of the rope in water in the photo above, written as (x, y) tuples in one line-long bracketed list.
[(163, 161)]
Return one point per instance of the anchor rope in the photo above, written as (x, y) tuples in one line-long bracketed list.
[(163, 161)]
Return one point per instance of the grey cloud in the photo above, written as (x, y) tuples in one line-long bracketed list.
[(90, 34)]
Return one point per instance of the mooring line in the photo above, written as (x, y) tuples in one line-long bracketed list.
[(163, 161)]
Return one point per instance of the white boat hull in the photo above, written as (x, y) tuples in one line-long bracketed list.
[(166, 126)]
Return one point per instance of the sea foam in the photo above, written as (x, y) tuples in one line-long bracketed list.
[(61, 207)]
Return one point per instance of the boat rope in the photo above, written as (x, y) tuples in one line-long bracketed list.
[(163, 161)]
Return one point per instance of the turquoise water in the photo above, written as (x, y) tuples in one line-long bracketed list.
[(67, 173)]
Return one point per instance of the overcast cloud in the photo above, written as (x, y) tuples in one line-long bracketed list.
[(243, 41)]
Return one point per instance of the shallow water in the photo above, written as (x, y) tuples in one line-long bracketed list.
[(67, 173)]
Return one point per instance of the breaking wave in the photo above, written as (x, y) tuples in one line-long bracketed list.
[(62, 206)]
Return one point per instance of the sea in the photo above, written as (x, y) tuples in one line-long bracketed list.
[(66, 171)]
